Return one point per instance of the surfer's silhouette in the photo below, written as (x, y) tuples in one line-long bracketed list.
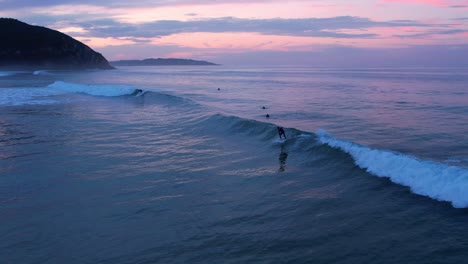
[(281, 133)]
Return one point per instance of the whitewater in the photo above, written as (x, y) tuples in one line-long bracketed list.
[(183, 165)]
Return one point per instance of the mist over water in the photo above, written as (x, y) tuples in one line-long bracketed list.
[(181, 165)]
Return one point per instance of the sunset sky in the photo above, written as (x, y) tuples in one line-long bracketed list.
[(262, 32)]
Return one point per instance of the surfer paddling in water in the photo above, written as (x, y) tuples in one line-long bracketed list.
[(281, 133)]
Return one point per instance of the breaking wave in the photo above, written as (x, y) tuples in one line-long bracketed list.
[(438, 181)]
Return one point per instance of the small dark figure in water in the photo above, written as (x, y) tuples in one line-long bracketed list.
[(281, 133), (263, 107), (267, 116), (219, 89)]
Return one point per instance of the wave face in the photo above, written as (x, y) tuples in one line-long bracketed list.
[(438, 181)]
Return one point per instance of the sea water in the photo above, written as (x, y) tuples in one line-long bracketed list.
[(181, 165)]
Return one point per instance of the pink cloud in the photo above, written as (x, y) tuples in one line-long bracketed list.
[(235, 41), (104, 42)]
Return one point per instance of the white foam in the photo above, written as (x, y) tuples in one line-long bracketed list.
[(92, 89), (438, 181)]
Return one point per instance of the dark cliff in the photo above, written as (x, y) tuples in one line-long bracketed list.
[(24, 46)]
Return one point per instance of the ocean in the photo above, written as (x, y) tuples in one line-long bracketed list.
[(182, 165)]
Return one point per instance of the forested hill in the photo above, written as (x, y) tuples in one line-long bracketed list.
[(23, 46)]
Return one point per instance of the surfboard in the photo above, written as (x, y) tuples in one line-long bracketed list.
[(281, 141)]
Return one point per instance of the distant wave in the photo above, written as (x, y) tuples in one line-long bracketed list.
[(93, 89), (438, 181), (39, 96), (6, 73)]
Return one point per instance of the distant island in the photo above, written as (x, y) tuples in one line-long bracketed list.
[(23, 46), (160, 62)]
